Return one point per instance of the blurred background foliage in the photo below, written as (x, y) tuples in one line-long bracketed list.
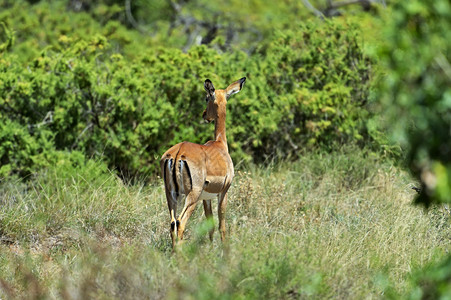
[(415, 94), (416, 90), (121, 81)]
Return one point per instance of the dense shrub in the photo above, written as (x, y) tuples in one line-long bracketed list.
[(144, 24), (44, 25), (318, 78), (306, 86)]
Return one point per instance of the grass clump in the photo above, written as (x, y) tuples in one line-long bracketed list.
[(331, 225)]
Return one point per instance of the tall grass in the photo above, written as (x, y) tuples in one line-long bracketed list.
[(331, 225)]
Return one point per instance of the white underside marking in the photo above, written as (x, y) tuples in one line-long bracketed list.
[(207, 196)]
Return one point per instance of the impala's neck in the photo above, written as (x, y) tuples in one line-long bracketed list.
[(220, 126)]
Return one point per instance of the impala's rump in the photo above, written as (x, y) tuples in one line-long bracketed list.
[(178, 165), (176, 172)]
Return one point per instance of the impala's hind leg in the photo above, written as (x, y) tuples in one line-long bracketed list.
[(190, 204), (209, 216), (171, 196), (172, 205), (174, 222)]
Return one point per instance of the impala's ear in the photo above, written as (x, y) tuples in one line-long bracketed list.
[(235, 87), (209, 88)]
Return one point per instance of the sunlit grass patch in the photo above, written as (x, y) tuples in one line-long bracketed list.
[(331, 225)]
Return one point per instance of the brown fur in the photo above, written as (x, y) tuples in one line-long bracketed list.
[(193, 170)]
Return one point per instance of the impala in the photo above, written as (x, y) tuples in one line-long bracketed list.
[(201, 172)]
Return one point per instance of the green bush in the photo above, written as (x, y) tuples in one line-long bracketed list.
[(307, 86), (318, 82), (19, 151), (52, 24), (146, 24)]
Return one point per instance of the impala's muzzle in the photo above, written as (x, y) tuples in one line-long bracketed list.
[(206, 119)]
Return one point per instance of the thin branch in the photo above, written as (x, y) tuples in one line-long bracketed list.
[(338, 4), (349, 2), (194, 28), (444, 64), (131, 19), (80, 135), (48, 119), (331, 7), (365, 3), (128, 13), (315, 11)]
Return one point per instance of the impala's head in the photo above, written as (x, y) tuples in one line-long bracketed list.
[(217, 98)]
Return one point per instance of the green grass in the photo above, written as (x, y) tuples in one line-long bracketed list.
[(338, 225)]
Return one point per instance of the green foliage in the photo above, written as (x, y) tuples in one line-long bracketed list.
[(51, 24), (7, 38), (434, 281), (145, 24), (306, 86), (319, 81), (20, 152)]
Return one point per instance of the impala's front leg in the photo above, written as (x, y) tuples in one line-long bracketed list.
[(209, 215), (221, 214)]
